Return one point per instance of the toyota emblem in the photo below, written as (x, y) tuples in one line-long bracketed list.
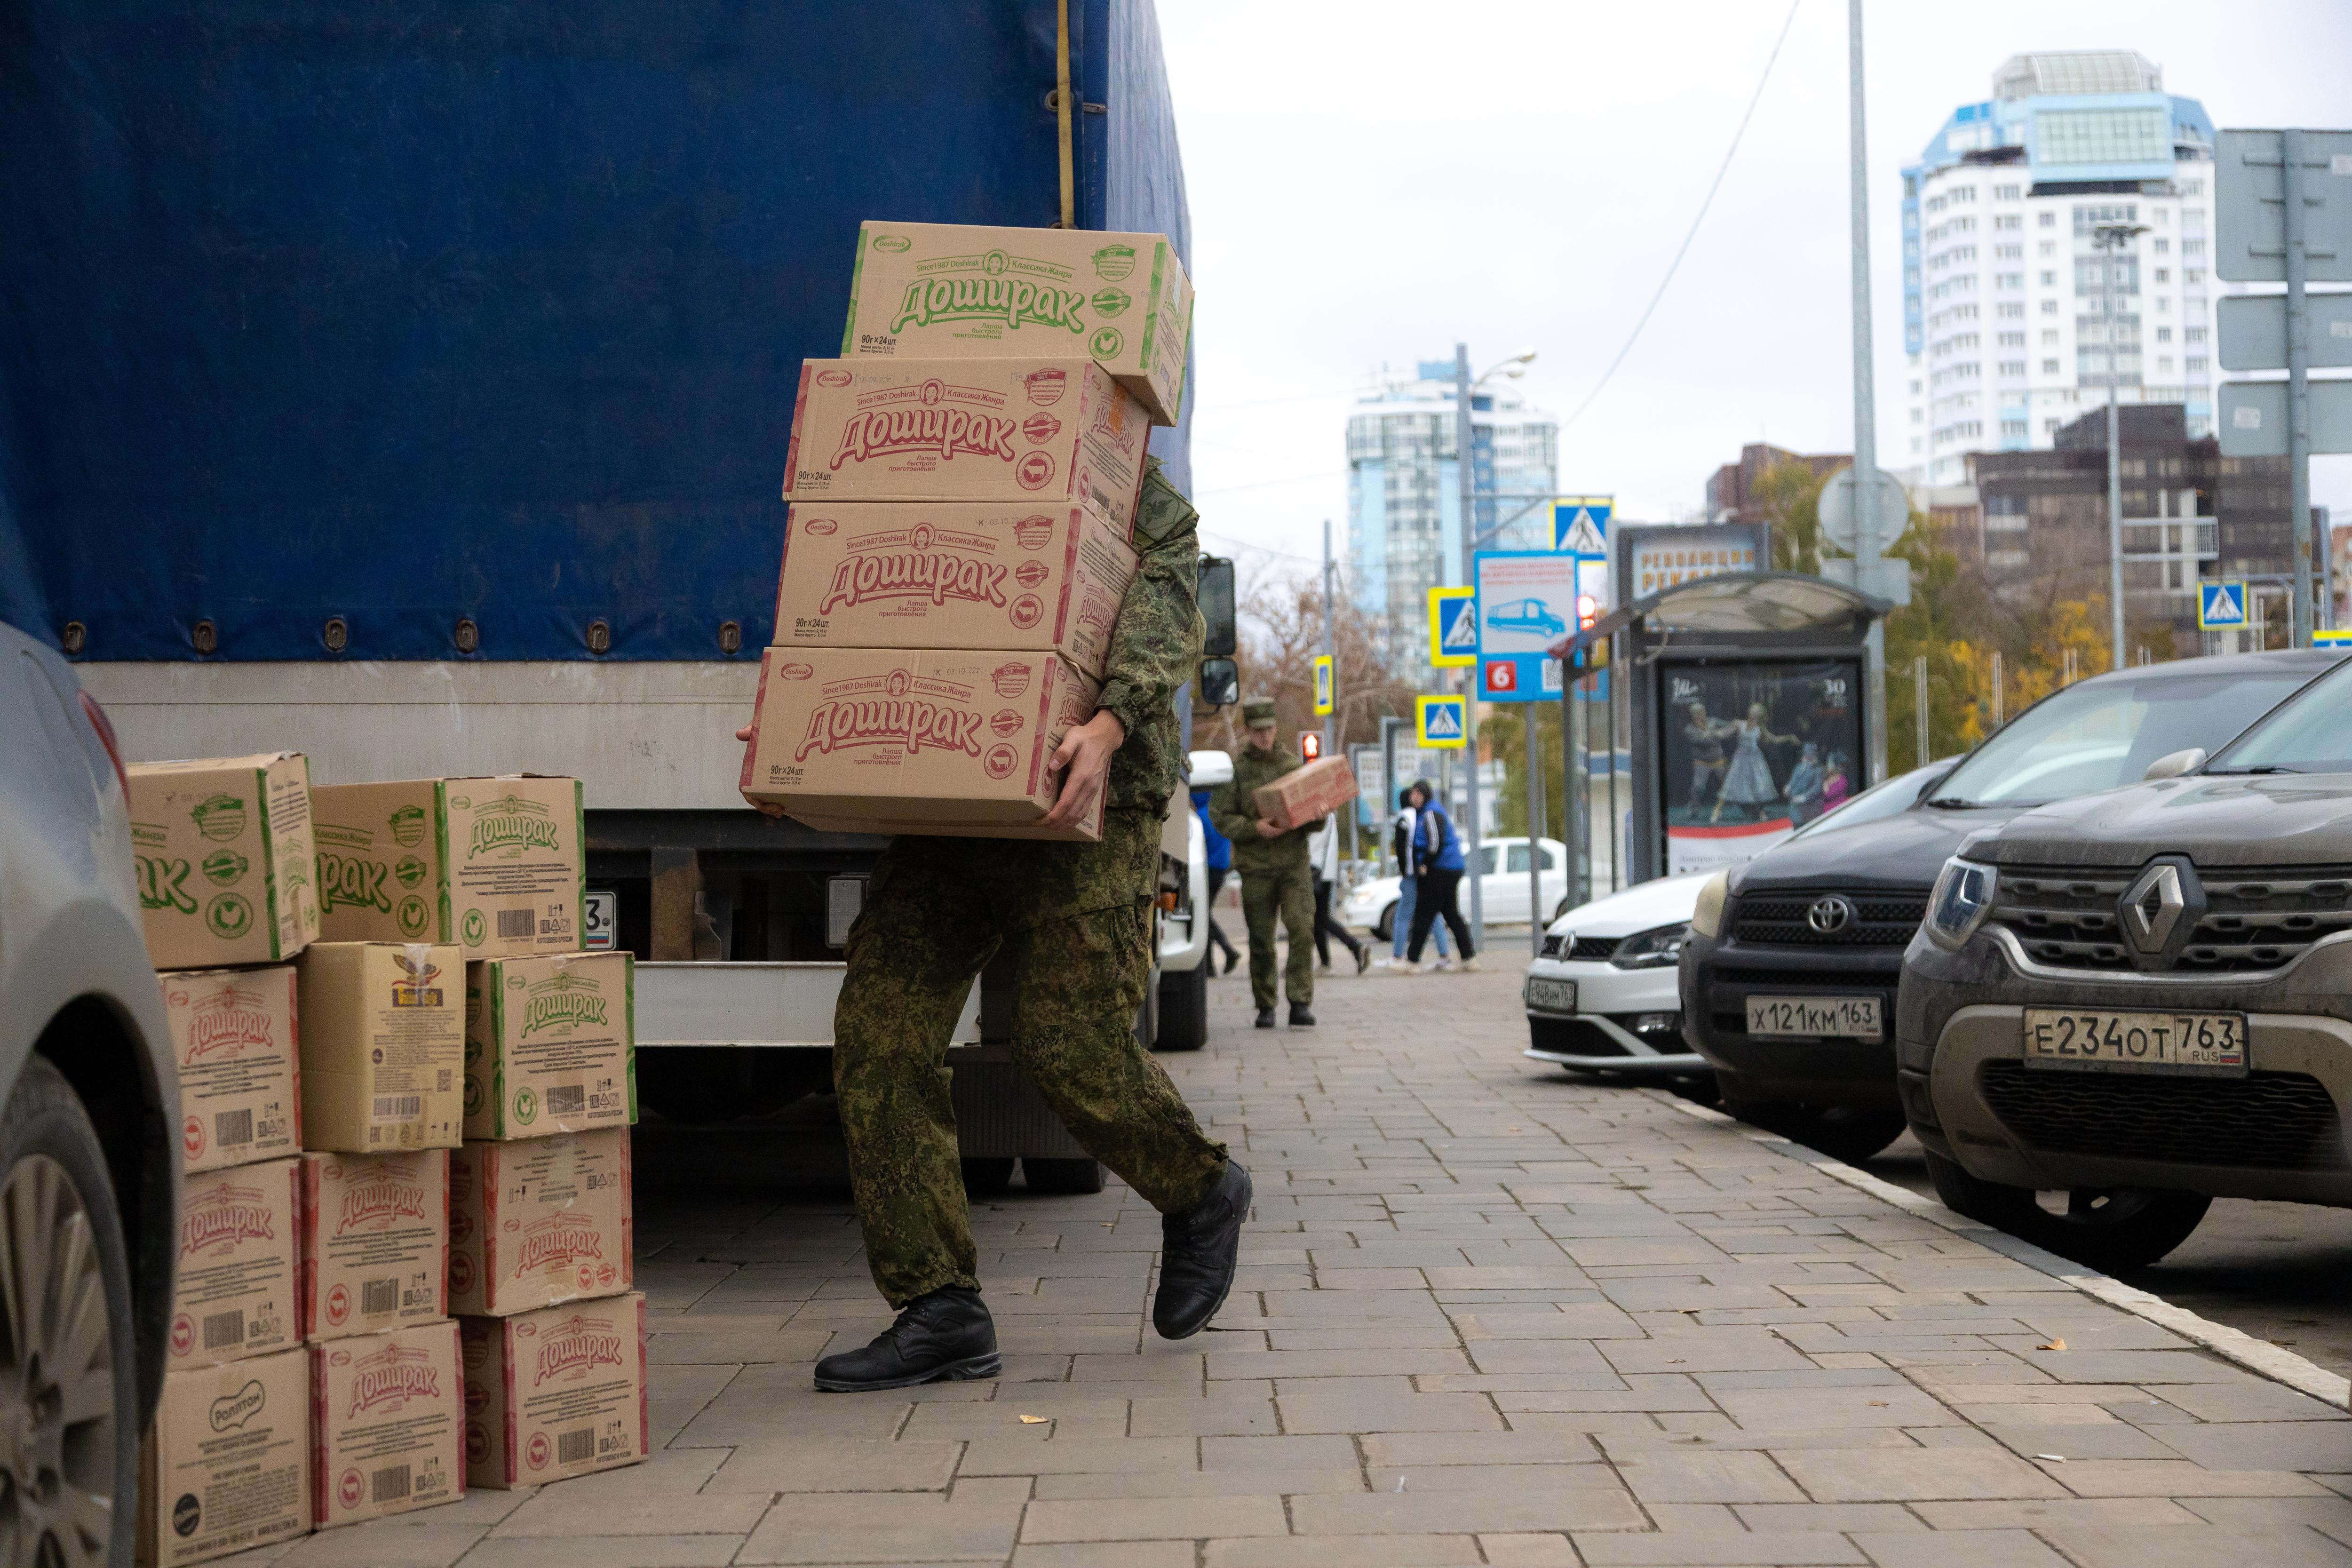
[(1828, 916)]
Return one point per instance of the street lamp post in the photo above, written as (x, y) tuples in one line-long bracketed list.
[(2109, 240)]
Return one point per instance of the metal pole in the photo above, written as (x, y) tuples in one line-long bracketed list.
[(1536, 825), (2298, 388), (1466, 474), (2109, 242), (1616, 813), (1919, 706), (1865, 397), (1330, 648), (1576, 814), (1999, 694)]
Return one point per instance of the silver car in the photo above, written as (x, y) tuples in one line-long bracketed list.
[(89, 1169)]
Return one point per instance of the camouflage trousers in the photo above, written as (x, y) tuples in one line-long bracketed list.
[(1073, 921), (1291, 891)]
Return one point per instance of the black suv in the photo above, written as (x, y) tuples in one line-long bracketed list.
[(1790, 972)]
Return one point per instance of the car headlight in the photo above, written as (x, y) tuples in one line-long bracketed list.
[(1962, 898), (1661, 947), (1706, 921)]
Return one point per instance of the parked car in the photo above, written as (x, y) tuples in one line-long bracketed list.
[(90, 1167), (1605, 994), (1373, 904), (2123, 1007), (1789, 979)]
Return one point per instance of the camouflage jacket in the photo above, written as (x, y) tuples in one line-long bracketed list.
[(1155, 647), (1234, 808)]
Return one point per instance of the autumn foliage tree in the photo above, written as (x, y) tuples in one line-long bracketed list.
[(1281, 634)]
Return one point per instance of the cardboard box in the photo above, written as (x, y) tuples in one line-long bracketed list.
[(384, 1046), (954, 290), (222, 846), (1031, 431), (375, 1242), (540, 1221), (952, 743), (948, 574), (495, 865), (550, 1044), (238, 1252), (555, 1392), (1317, 789), (227, 1464), (387, 1424), (233, 1034)]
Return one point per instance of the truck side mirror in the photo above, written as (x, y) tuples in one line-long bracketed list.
[(1216, 596), (1220, 683)]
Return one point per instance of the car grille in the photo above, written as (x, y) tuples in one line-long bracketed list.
[(2280, 1121), (2253, 922), (1574, 1037), (1779, 918), (1596, 948)]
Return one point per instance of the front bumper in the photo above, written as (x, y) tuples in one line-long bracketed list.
[(2276, 1133), (1718, 975), (1599, 1034)]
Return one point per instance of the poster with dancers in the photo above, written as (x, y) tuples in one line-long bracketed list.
[(1754, 752)]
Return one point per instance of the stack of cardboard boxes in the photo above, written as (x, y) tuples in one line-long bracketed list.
[(316, 1373), (962, 488)]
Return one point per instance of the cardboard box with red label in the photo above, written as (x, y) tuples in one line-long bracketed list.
[(240, 1253), (555, 1392), (948, 574), (911, 741), (387, 1424), (375, 1242), (384, 1046), (540, 1221), (1027, 430), (225, 1466), (234, 1034), (1300, 796)]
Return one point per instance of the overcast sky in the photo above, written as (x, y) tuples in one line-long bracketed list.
[(1371, 182)]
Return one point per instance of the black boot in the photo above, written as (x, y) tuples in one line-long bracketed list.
[(1265, 1017), (1198, 1250), (1302, 1016), (944, 1335)]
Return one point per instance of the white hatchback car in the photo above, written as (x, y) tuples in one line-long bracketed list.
[(1604, 995)]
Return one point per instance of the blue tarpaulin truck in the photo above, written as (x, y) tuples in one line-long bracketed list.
[(409, 383)]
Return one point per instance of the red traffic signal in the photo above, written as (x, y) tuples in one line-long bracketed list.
[(1310, 745), (1588, 609)]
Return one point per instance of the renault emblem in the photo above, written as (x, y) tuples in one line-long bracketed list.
[(2153, 907), (1829, 916)]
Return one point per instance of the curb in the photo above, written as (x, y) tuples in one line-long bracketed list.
[(2278, 1364)]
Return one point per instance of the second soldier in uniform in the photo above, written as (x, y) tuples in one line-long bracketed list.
[(1272, 862)]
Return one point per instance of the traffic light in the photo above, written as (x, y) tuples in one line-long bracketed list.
[(1310, 744), (1588, 610)]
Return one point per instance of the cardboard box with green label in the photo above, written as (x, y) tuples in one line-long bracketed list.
[(550, 1044), (495, 865), (222, 845)]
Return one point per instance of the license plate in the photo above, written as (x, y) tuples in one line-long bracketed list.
[(2091, 1039), (1835, 1017), (1552, 995)]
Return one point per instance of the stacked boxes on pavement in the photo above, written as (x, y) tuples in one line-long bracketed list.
[(961, 492)]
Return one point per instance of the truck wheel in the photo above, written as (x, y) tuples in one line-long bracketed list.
[(1062, 1175), (1184, 1008), (984, 1178), (69, 1388), (2110, 1230), (1848, 1133), (1384, 928)]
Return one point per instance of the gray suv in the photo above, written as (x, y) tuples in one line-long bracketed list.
[(2123, 1006), (89, 1168)]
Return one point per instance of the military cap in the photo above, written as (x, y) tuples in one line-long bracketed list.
[(1258, 712)]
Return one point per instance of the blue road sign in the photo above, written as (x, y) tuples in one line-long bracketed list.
[(1527, 603), (1441, 721), (1453, 628), (1579, 525), (2221, 606)]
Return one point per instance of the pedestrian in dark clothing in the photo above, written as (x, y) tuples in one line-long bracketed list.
[(1323, 854), (1221, 866), (1437, 851)]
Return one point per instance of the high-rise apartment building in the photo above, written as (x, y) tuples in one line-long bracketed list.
[(2014, 322), (1404, 495)]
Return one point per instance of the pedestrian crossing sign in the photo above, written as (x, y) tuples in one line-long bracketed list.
[(1579, 525), (1323, 702), (2332, 637), (2221, 606), (1441, 722), (1453, 628)]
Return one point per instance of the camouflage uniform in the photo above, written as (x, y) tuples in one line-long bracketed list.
[(1073, 920), (1275, 876)]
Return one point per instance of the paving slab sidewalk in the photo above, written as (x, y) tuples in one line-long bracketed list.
[(1487, 1314)]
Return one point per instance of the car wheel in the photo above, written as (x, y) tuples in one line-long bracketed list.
[(1384, 928), (68, 1387), (984, 1177), (1848, 1133), (1184, 1008), (1063, 1175), (2109, 1229)]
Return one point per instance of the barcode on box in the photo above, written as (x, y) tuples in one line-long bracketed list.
[(224, 1329), (567, 1099), (233, 1126), (389, 1484), (378, 1296), (398, 1107), (517, 922), (570, 1448)]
